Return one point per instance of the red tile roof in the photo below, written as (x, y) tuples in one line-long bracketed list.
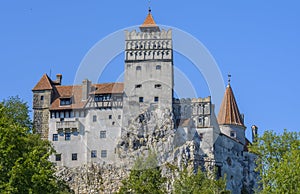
[(149, 21), (108, 88), (45, 83), (229, 112), (75, 93)]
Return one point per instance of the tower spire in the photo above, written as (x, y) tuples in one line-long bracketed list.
[(229, 112), (149, 24)]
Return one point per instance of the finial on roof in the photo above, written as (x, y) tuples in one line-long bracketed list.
[(229, 79), (149, 2)]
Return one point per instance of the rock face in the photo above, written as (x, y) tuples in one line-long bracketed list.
[(93, 178), (151, 131)]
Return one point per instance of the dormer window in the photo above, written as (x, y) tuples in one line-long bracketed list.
[(65, 101)]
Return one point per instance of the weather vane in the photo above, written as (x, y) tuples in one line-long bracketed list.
[(229, 78), (149, 5)]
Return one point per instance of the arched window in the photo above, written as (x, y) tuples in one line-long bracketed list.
[(138, 68), (158, 67)]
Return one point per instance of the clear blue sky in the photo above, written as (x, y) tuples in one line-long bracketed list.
[(256, 41)]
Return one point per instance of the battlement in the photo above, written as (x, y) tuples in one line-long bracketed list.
[(134, 35)]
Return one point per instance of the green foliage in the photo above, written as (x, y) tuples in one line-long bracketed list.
[(17, 111), (145, 177), (278, 161), (198, 182), (24, 164)]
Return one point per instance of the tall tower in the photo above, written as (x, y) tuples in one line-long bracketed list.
[(42, 93), (148, 80)]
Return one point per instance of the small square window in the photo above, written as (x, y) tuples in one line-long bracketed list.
[(156, 99), (103, 153), (138, 68), (158, 67), (109, 116), (74, 156), (138, 86), (141, 99), (68, 136), (102, 134), (94, 118), (42, 97), (94, 154), (55, 137), (157, 86), (119, 116), (232, 134), (57, 157)]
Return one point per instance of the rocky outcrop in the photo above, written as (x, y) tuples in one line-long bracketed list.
[(151, 131)]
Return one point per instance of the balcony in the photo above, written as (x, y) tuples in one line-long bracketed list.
[(67, 125)]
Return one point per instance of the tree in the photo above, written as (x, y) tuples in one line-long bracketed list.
[(145, 177), (278, 161), (17, 110), (24, 164), (198, 182)]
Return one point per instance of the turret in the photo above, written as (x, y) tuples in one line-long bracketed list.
[(229, 118)]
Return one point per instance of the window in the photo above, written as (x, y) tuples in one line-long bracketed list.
[(74, 156), (158, 67), (57, 157), (141, 99), (109, 116), (98, 98), (157, 86), (55, 137), (156, 99), (232, 133), (138, 68), (94, 118), (119, 116), (102, 134), (42, 97), (65, 101), (94, 154), (138, 86), (103, 153), (113, 123), (68, 136)]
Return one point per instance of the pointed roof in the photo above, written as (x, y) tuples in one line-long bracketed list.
[(229, 112), (149, 23), (45, 83)]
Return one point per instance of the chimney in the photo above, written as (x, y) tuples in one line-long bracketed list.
[(254, 133), (86, 87), (58, 79)]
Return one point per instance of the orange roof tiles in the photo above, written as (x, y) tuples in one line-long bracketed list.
[(75, 93), (45, 83), (149, 21), (229, 112), (108, 88)]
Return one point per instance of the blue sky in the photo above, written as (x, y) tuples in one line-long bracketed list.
[(256, 41)]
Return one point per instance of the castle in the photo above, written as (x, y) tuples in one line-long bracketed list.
[(110, 123)]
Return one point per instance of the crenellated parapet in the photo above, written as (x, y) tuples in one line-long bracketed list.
[(148, 45)]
